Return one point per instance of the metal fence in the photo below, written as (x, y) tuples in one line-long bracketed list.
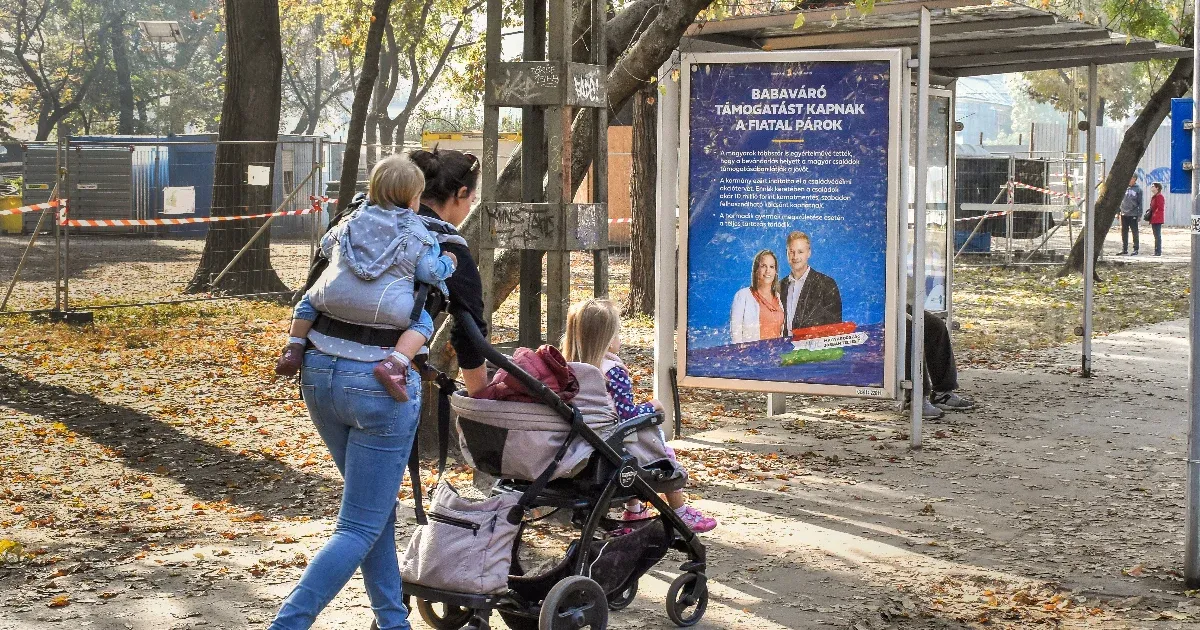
[(152, 220)]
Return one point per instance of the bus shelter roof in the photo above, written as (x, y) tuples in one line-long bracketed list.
[(968, 37)]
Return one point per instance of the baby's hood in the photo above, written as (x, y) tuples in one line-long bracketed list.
[(376, 238)]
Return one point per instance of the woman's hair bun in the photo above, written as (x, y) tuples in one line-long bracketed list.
[(427, 161), (446, 172)]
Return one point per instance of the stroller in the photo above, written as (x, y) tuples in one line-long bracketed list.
[(571, 457)]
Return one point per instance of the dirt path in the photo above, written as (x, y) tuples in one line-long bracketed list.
[(154, 476), (1057, 503)]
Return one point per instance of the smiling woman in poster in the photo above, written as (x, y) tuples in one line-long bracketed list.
[(757, 311)]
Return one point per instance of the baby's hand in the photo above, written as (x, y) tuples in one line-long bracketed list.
[(657, 405), (453, 258)]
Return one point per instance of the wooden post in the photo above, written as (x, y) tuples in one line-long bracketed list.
[(548, 87), (533, 164)]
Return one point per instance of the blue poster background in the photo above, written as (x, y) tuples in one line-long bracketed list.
[(849, 237)]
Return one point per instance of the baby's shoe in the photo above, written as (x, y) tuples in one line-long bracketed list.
[(640, 514), (289, 362), (696, 520), (394, 377)]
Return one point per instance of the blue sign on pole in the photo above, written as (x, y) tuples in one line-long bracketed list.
[(789, 246), (1181, 145)]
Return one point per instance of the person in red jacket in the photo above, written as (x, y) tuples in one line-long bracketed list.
[(1157, 215)]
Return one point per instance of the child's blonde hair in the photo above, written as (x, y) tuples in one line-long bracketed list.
[(394, 182), (591, 327)]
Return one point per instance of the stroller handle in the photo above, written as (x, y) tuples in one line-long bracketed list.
[(538, 389)]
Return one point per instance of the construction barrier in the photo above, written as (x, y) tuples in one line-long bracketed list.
[(63, 220), (1047, 191), (34, 208)]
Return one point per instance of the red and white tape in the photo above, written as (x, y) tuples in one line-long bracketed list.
[(982, 216), (1048, 192), (319, 200), (34, 208), (63, 220)]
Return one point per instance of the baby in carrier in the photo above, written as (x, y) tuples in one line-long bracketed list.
[(593, 336), (376, 255)]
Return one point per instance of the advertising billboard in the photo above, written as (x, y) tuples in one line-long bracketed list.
[(790, 169)]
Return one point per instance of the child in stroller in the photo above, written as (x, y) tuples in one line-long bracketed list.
[(589, 324), (577, 457)]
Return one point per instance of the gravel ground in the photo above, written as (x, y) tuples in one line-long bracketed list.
[(156, 476)]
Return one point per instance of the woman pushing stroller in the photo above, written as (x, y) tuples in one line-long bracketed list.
[(365, 410)]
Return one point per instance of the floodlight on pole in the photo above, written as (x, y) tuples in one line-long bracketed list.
[(161, 31)]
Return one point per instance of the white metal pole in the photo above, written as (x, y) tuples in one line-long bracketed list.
[(666, 241), (906, 114), (920, 182), (1089, 223), (1191, 560)]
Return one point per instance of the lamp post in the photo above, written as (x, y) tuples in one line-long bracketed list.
[(1191, 559), (161, 32)]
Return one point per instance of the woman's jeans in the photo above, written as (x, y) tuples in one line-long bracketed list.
[(369, 435), (1157, 227)]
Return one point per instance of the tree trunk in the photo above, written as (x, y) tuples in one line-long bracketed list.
[(301, 124), (362, 102), (387, 135), (1133, 146), (143, 120), (124, 79), (642, 178), (46, 121), (250, 112)]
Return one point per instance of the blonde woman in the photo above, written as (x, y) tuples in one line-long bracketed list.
[(593, 336), (757, 311), (362, 304)]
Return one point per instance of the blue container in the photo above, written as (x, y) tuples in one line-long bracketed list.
[(192, 165), (1181, 145), (981, 243)]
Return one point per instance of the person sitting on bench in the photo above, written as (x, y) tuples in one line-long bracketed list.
[(941, 374)]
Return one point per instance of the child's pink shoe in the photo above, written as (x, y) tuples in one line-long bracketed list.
[(637, 515), (394, 378), (696, 520), (290, 361)]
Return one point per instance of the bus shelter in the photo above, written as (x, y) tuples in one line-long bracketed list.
[(823, 140)]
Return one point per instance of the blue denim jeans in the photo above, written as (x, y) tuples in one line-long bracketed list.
[(369, 434)]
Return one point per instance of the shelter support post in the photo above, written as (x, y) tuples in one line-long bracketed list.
[(918, 281), (1191, 561), (776, 404), (1012, 199), (666, 245), (902, 283), (1089, 227)]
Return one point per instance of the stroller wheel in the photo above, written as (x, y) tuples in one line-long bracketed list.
[(623, 597), (450, 617), (574, 603), (686, 600)]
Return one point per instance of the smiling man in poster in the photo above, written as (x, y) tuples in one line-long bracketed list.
[(812, 297)]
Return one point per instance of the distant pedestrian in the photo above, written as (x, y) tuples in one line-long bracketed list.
[(1156, 215), (1131, 211)]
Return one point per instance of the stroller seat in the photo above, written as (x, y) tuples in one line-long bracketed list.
[(516, 441)]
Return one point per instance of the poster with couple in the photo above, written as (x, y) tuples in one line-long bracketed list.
[(789, 245)]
